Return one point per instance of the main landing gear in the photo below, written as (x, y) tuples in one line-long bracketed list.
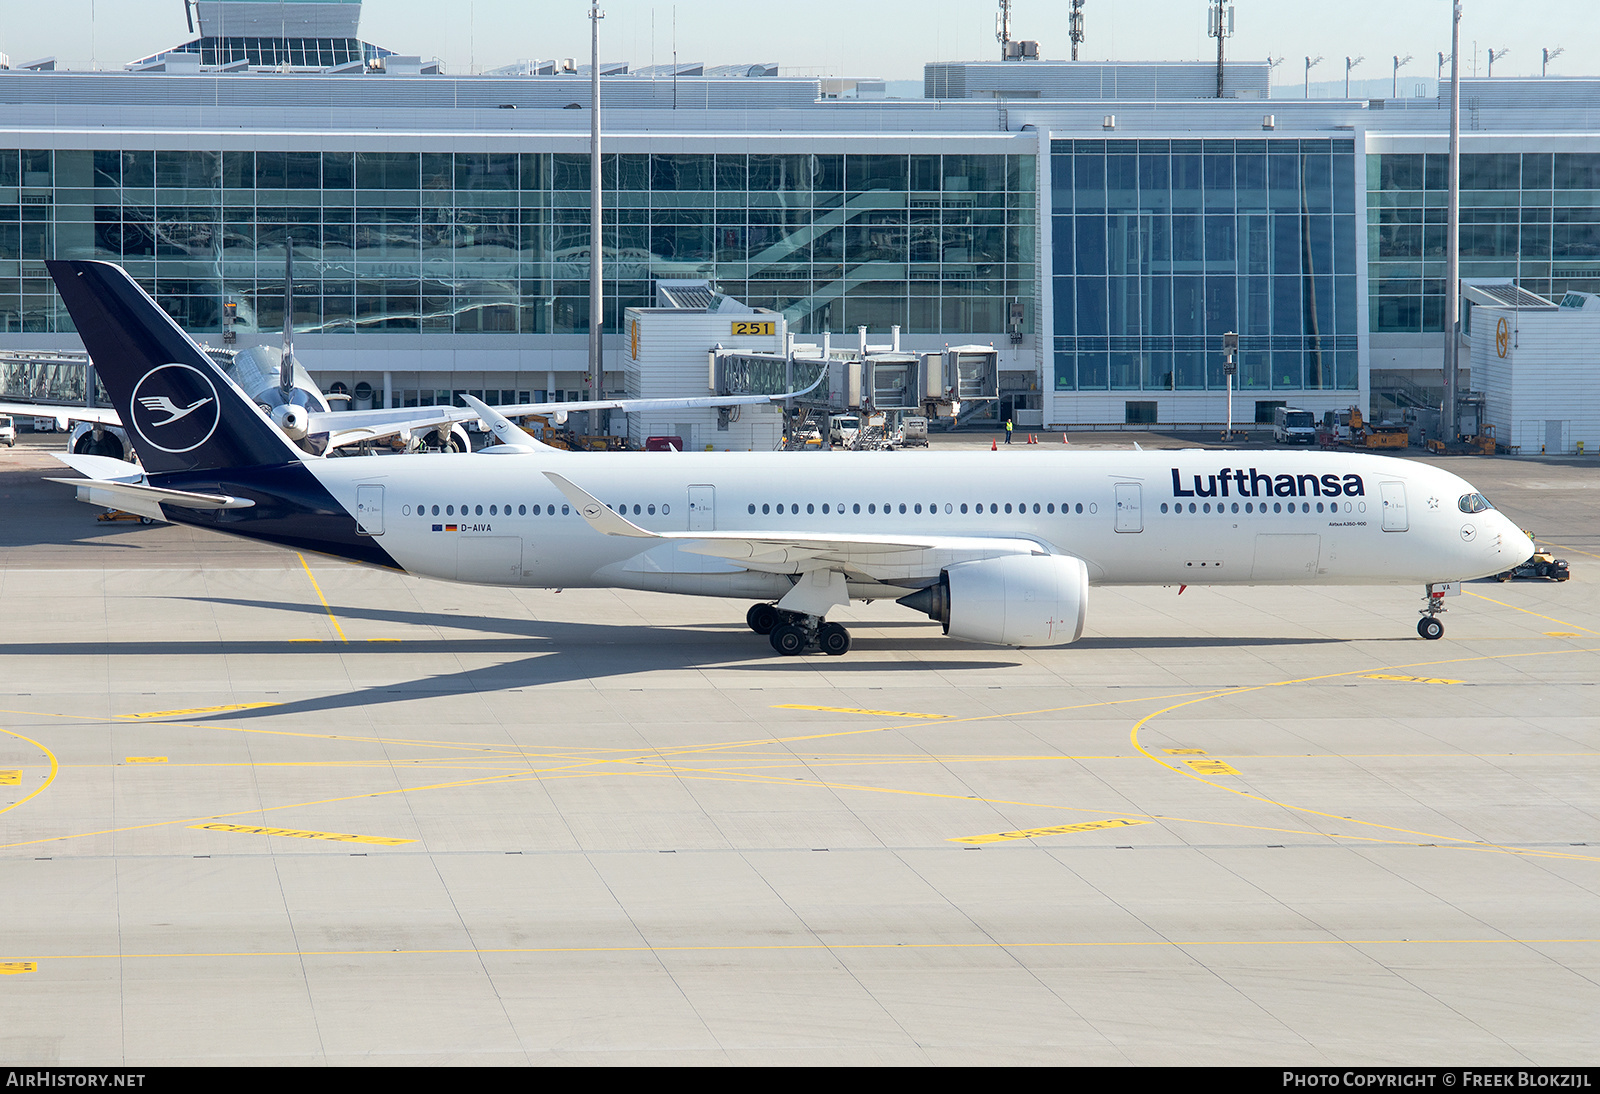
[(1429, 626), (792, 633)]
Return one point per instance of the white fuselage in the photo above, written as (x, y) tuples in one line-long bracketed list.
[(1167, 517)]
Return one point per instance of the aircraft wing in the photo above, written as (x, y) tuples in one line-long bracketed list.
[(103, 415), (353, 426), (882, 558)]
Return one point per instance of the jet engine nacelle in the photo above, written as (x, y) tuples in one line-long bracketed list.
[(293, 420), (1015, 600), (448, 439)]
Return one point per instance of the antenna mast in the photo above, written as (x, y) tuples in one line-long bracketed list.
[(1002, 27), (1221, 29), (1075, 26)]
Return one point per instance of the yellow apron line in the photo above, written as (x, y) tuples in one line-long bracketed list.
[(298, 833), (1536, 615), (1432, 837), (825, 947), (336, 628), (1055, 830), (55, 769), (858, 710), (474, 746), (279, 808), (1579, 550), (697, 749), (717, 776), (198, 710)]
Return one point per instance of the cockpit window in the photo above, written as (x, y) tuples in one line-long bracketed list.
[(1473, 503)]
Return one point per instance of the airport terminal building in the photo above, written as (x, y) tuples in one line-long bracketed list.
[(1103, 225)]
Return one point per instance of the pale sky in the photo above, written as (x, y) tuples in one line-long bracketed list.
[(886, 38)]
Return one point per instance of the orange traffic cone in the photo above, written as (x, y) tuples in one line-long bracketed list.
[(994, 445), (1064, 439)]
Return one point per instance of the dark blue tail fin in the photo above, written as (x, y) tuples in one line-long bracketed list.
[(181, 412)]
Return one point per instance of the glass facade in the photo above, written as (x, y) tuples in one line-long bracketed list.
[(1159, 247), (499, 242), (302, 53), (1531, 216)]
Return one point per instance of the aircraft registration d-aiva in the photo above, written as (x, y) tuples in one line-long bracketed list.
[(998, 550)]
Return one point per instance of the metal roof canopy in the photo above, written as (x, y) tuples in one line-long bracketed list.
[(1504, 294)]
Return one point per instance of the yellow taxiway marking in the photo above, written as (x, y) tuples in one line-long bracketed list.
[(1411, 679), (1057, 830), (1457, 842), (11, 778), (1141, 944), (336, 628), (55, 769), (147, 759), (299, 833), (1536, 615), (1211, 767), (1184, 751), (1562, 634), (11, 968), (1579, 550), (857, 710), (255, 810), (200, 710)]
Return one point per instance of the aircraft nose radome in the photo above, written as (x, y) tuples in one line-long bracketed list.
[(1517, 544)]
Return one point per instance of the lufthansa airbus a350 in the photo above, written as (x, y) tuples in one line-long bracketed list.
[(998, 551)]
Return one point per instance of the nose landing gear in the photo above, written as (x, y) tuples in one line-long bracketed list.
[(792, 633), (1429, 626)]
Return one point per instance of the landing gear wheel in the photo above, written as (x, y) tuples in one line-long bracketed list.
[(761, 618), (1430, 628), (788, 640), (146, 520), (834, 639)]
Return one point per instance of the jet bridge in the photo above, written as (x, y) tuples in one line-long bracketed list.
[(863, 378)]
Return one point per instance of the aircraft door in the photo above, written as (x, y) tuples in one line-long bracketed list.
[(369, 510), (1129, 516), (702, 508), (1394, 506)]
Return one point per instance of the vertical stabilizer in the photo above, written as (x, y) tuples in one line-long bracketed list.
[(181, 411)]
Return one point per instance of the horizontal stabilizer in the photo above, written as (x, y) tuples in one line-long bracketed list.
[(63, 415), (104, 468), (146, 501)]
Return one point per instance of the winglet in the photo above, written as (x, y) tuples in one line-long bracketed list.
[(599, 515), (505, 431)]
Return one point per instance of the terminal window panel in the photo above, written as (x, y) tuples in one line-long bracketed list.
[(1530, 216), (1159, 247), (480, 241)]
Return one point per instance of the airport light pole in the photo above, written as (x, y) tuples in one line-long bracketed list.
[(1230, 346), (596, 236), (1399, 61), (1452, 273), (1310, 61), (1349, 63), (1550, 55)]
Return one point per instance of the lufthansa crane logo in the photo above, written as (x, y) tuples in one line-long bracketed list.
[(175, 408), (1502, 338)]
